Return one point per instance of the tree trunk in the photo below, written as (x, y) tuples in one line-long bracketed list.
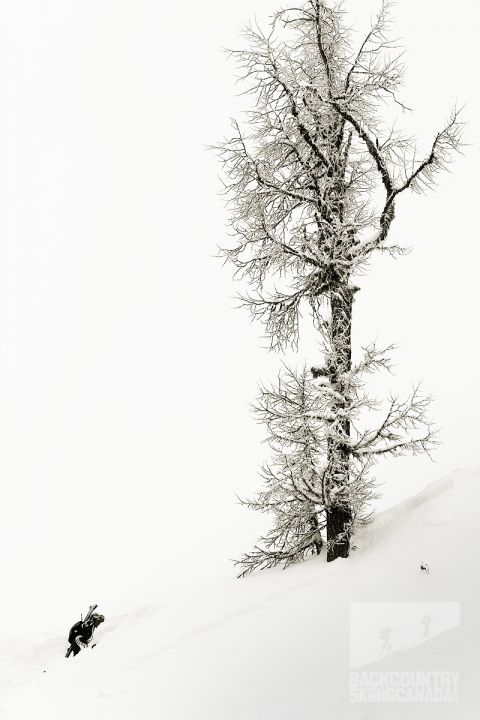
[(339, 513), (338, 519), (317, 537)]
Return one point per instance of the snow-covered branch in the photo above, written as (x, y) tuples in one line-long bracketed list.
[(405, 429)]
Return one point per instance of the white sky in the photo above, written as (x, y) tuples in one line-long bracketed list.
[(125, 374)]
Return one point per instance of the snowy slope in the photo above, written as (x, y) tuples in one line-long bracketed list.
[(280, 644)]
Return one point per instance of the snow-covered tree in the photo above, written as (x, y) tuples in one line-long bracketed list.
[(312, 182), (306, 416)]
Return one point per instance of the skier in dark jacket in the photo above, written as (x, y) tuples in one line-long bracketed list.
[(82, 632)]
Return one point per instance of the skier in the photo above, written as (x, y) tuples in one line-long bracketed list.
[(82, 632)]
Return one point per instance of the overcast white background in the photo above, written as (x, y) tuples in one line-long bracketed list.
[(125, 372)]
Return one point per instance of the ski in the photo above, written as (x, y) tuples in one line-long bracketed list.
[(91, 610)]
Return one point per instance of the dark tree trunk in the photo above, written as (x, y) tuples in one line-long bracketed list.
[(338, 522), (339, 513), (317, 541)]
